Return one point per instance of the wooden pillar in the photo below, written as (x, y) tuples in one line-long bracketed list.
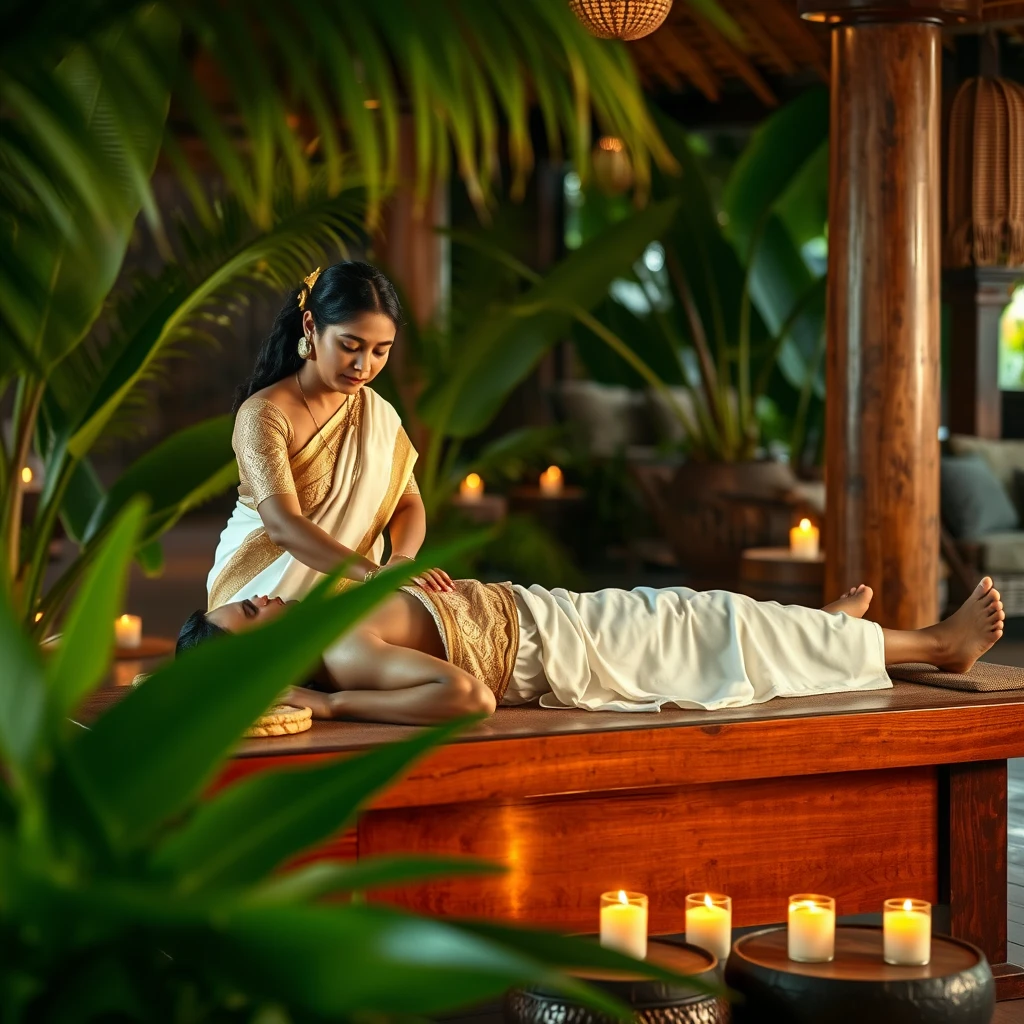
[(882, 451)]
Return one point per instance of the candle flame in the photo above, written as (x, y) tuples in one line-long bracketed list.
[(124, 618), (26, 474), (908, 904), (473, 481), (622, 896), (805, 525), (707, 900), (39, 615), (551, 476)]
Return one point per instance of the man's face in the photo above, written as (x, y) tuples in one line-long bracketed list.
[(240, 616)]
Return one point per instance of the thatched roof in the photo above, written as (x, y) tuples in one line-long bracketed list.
[(688, 50)]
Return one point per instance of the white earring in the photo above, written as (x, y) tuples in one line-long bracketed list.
[(304, 347)]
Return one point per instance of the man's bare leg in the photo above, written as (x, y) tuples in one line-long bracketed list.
[(956, 643)]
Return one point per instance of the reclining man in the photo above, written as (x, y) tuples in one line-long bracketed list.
[(425, 657)]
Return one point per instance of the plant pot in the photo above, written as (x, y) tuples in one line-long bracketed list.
[(710, 512)]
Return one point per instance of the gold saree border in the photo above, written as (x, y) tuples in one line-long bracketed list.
[(479, 625), (256, 553)]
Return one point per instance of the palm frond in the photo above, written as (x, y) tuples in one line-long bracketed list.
[(155, 317)]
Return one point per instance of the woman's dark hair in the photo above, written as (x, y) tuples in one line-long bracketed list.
[(197, 628), (341, 292)]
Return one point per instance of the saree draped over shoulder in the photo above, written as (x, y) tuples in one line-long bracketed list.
[(351, 495)]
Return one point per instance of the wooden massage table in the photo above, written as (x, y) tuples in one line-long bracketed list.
[(862, 796)]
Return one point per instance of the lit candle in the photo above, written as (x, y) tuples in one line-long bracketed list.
[(551, 481), (803, 540), (709, 922), (812, 928), (907, 932), (26, 474), (128, 631), (624, 922), (472, 488)]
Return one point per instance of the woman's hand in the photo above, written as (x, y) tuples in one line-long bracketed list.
[(430, 579), (303, 697)]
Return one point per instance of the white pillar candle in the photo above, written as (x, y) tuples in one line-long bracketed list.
[(624, 922), (472, 488), (709, 922), (907, 932), (804, 540), (128, 631), (812, 928), (551, 481)]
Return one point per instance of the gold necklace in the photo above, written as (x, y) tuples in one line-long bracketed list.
[(319, 429)]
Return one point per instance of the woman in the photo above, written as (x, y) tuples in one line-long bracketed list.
[(422, 658), (324, 464)]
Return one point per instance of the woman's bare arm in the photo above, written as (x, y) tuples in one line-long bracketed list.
[(408, 526), (288, 528)]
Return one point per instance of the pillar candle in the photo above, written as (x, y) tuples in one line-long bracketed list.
[(624, 922), (472, 488), (804, 540), (812, 928), (907, 932), (709, 922), (128, 631), (551, 481)]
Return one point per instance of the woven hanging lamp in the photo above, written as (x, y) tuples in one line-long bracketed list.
[(985, 180), (621, 19)]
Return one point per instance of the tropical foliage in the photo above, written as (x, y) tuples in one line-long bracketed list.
[(298, 115), (125, 896), (733, 311)]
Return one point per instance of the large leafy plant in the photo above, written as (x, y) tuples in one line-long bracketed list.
[(125, 895), (736, 313)]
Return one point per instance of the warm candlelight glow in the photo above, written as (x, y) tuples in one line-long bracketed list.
[(624, 922), (26, 474), (39, 616), (804, 540), (472, 488), (907, 932), (551, 481), (811, 928), (709, 923), (128, 631)]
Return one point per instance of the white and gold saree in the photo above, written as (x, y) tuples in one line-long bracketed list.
[(351, 496)]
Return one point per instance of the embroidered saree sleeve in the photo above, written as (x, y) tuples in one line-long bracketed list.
[(260, 440), (348, 480)]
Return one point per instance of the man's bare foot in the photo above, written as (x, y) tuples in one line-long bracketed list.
[(854, 602), (971, 630)]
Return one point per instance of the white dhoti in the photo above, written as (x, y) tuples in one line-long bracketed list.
[(638, 650)]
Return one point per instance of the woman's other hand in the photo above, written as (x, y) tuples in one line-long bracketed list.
[(430, 579)]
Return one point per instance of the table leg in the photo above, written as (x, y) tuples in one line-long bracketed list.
[(976, 870)]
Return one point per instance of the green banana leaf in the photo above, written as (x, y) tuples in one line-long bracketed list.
[(242, 834), (440, 965), (79, 268), (326, 878), (22, 694), (183, 471), (182, 747), (83, 655), (773, 162), (506, 346)]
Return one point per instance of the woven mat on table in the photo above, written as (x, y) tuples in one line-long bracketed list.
[(985, 677)]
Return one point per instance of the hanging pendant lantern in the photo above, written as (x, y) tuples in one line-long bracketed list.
[(985, 174), (613, 170), (621, 19)]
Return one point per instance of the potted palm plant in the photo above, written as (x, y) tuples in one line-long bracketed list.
[(732, 313)]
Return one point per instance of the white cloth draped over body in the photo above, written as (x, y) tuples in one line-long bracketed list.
[(351, 496), (637, 650)]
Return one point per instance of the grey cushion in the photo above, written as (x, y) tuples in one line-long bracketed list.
[(974, 502), (1002, 552)]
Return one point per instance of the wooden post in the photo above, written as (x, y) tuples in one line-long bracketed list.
[(882, 452)]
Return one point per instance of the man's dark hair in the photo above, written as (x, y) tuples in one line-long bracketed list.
[(197, 629)]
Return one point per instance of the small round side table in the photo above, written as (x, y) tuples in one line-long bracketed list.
[(858, 985), (773, 574), (655, 1002)]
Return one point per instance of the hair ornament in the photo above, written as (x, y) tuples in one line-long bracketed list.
[(307, 286)]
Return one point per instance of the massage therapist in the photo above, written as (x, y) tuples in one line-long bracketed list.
[(323, 462)]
